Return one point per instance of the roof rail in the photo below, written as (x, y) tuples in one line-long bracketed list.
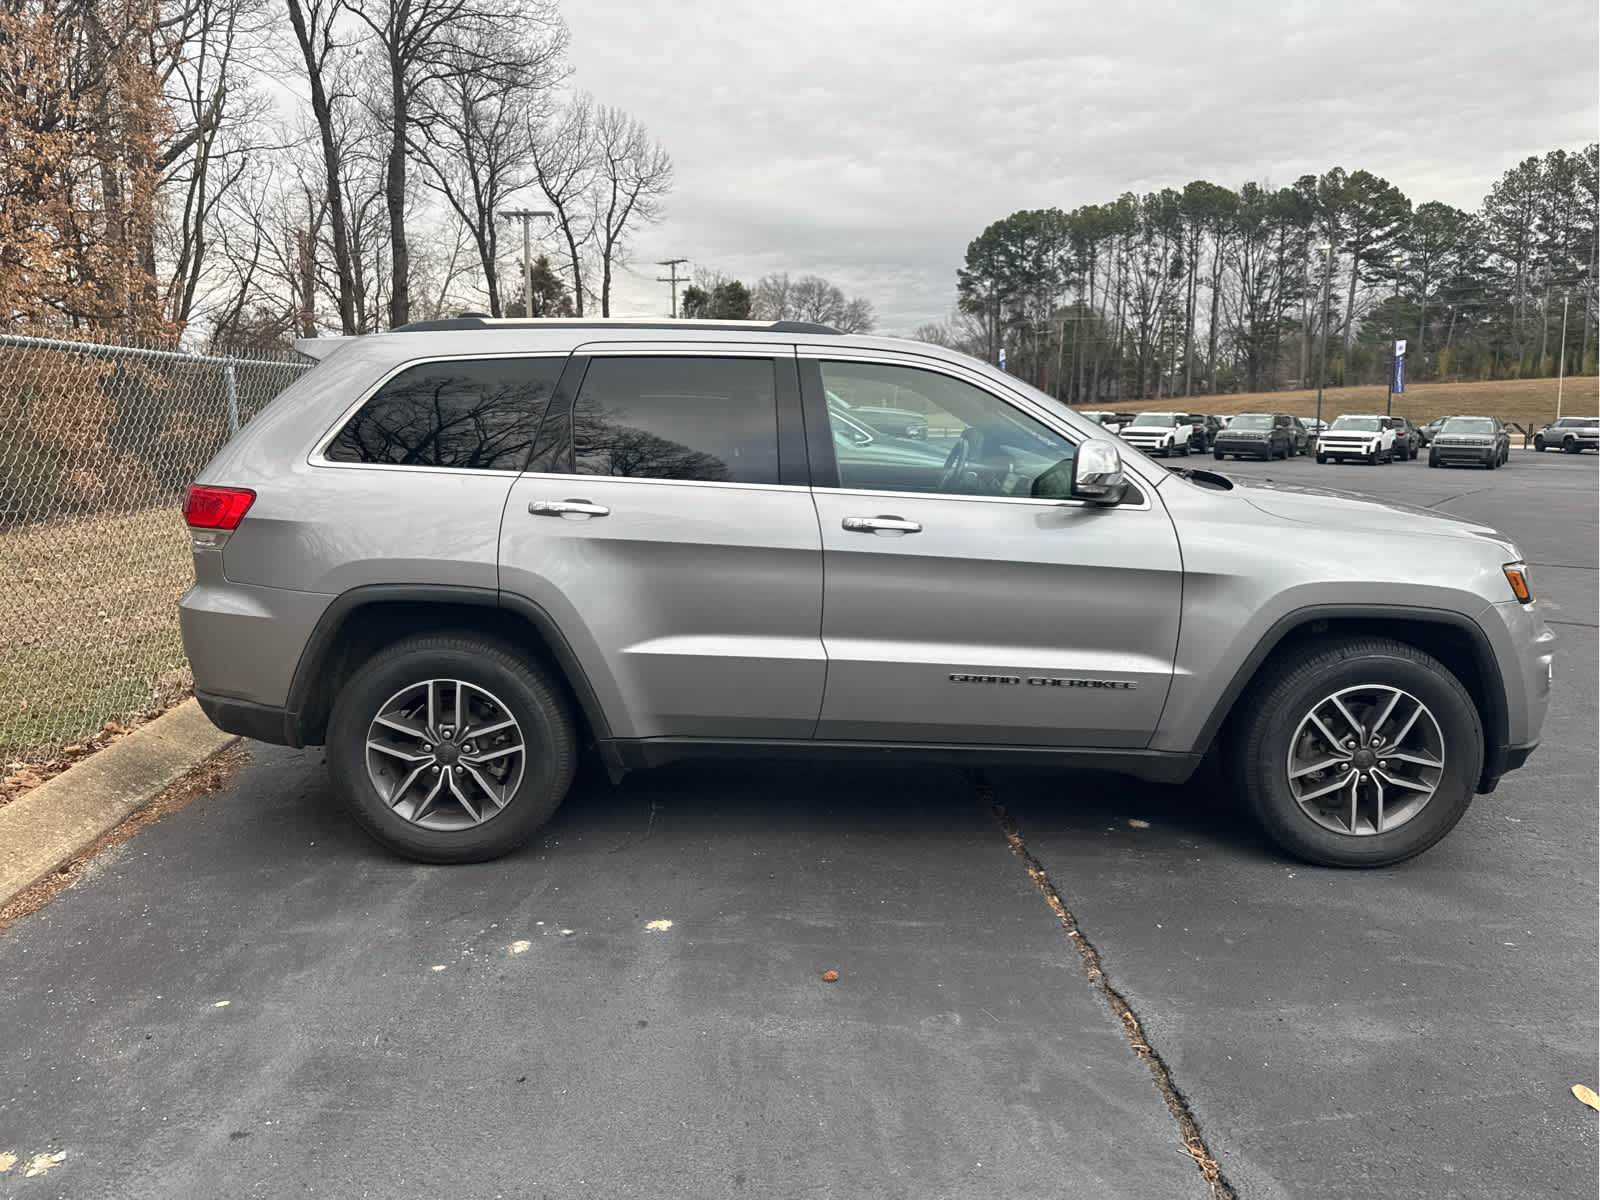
[(478, 321)]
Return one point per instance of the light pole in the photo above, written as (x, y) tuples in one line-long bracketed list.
[(526, 215), (1561, 376), (1322, 321)]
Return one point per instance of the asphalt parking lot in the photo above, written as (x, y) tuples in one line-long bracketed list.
[(250, 999)]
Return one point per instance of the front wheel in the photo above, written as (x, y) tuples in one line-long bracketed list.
[(1321, 458), (451, 748), (1372, 459), (1359, 751), (1433, 460), (1538, 443), (1218, 455)]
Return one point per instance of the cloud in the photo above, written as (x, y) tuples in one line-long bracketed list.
[(870, 141)]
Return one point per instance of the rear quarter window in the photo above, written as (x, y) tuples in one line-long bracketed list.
[(470, 414)]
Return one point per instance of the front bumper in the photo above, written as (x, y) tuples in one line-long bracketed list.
[(1337, 448), (1262, 449), (1463, 454)]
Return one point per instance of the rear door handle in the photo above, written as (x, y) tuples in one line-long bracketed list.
[(568, 508), (890, 525)]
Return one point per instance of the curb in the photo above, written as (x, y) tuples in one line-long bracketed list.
[(55, 821)]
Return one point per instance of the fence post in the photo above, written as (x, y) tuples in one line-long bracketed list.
[(232, 386)]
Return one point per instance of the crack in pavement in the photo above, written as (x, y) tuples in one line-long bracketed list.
[(1194, 1142), (1457, 496)]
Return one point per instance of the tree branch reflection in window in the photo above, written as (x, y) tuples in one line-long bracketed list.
[(471, 414), (702, 419)]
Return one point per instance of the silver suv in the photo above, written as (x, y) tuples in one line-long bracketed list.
[(457, 553)]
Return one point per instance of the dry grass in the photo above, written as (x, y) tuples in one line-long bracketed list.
[(1522, 401), (88, 626)]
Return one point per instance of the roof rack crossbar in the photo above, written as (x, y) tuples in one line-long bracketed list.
[(478, 321)]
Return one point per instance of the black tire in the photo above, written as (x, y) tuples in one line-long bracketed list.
[(1321, 459), (1570, 446), (1433, 460), (526, 693), (1186, 450), (1493, 462), (1538, 442), (1219, 455), (1292, 684), (1372, 459)]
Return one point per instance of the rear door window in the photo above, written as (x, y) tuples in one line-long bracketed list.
[(707, 419), (470, 414)]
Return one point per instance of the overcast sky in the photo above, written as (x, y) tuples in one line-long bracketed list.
[(870, 140)]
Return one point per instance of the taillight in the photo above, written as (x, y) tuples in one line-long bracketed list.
[(216, 507)]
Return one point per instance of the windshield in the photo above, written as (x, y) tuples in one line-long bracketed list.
[(1360, 424), (839, 403), (1251, 421), (1164, 420), (1468, 425)]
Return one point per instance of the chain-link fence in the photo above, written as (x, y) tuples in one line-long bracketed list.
[(97, 445)]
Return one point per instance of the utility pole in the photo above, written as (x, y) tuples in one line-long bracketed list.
[(526, 215), (1322, 366), (1561, 374), (674, 264)]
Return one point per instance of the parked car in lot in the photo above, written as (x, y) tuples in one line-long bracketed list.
[(1256, 435), (1407, 441), (1303, 437), (1160, 433), (1431, 430), (460, 553), (897, 422), (1110, 420), (1206, 428), (1368, 437), (1571, 434), (1470, 441)]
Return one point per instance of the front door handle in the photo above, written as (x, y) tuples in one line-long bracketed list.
[(568, 508), (889, 525)]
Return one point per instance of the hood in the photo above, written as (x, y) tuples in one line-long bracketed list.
[(1324, 507)]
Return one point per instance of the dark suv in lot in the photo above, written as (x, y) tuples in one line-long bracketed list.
[(1257, 435), (1407, 438), (1470, 441), (458, 553)]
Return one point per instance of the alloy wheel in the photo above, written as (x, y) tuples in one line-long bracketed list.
[(445, 754), (1366, 760)]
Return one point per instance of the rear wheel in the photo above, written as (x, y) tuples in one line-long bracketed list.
[(1570, 445), (451, 748), (1359, 751)]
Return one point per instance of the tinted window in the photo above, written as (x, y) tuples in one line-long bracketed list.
[(976, 444), (708, 419), (482, 413)]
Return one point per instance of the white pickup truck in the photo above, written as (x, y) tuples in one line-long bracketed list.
[(1368, 437)]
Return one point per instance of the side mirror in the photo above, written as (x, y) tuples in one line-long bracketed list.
[(1097, 474)]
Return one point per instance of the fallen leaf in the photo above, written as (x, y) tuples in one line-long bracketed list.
[(830, 977), (1586, 1095), (656, 926)]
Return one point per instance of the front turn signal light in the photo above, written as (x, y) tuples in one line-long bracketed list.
[(1517, 577)]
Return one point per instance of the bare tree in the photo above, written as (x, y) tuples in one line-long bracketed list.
[(633, 176), (423, 44), (564, 164), (477, 145), (314, 24), (810, 298)]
